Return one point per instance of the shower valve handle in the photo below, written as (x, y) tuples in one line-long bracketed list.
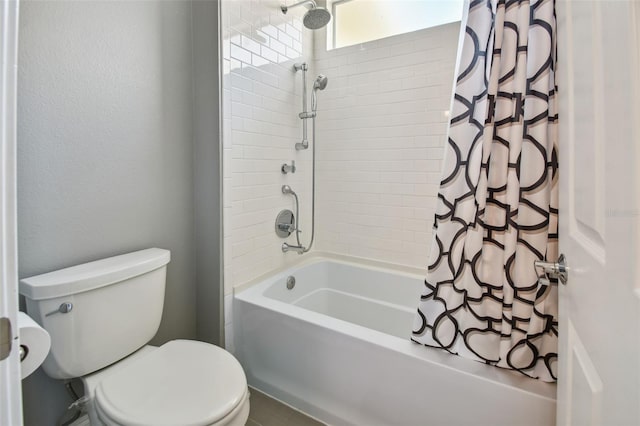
[(287, 227)]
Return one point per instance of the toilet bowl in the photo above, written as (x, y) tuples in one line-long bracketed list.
[(101, 316)]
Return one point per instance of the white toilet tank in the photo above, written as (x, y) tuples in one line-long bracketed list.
[(99, 312)]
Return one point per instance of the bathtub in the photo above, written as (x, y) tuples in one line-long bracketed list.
[(336, 346)]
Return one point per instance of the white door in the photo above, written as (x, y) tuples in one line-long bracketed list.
[(10, 390), (599, 118)]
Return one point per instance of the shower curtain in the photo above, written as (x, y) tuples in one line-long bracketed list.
[(497, 206)]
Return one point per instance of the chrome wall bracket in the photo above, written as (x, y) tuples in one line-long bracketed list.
[(285, 168), (304, 144)]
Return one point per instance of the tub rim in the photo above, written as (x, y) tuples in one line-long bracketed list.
[(318, 256)]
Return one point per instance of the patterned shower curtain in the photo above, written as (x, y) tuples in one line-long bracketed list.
[(498, 202)]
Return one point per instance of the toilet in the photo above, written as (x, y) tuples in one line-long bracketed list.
[(101, 315)]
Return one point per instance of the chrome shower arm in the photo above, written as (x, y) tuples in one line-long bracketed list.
[(285, 8)]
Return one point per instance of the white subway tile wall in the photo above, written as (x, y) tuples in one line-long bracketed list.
[(262, 96), (382, 123), (381, 132)]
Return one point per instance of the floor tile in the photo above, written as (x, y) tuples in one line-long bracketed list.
[(266, 411)]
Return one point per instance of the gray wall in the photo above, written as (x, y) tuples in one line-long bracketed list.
[(106, 154), (206, 151)]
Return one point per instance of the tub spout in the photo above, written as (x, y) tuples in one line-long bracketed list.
[(288, 247)]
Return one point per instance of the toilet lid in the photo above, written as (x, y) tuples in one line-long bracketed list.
[(183, 382)]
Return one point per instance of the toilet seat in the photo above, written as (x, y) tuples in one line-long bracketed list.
[(182, 382)]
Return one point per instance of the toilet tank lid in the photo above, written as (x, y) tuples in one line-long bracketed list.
[(93, 275)]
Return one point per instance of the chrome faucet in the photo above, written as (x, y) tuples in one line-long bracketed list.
[(288, 247)]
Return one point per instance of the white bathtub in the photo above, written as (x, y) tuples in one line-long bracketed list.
[(337, 347)]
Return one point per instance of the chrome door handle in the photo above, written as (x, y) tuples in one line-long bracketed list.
[(558, 270)]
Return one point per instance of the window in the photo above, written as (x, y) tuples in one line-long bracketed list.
[(359, 21)]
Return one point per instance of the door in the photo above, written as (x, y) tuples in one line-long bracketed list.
[(10, 390), (599, 92)]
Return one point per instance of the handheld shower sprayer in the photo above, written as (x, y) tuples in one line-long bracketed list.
[(319, 84)]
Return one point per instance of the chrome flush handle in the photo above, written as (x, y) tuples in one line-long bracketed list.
[(64, 308)]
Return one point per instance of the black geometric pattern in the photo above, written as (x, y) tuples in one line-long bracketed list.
[(498, 202)]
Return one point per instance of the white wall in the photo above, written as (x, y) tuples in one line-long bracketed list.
[(262, 99), (382, 124)]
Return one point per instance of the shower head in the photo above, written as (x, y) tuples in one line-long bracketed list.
[(315, 18), (321, 82)]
